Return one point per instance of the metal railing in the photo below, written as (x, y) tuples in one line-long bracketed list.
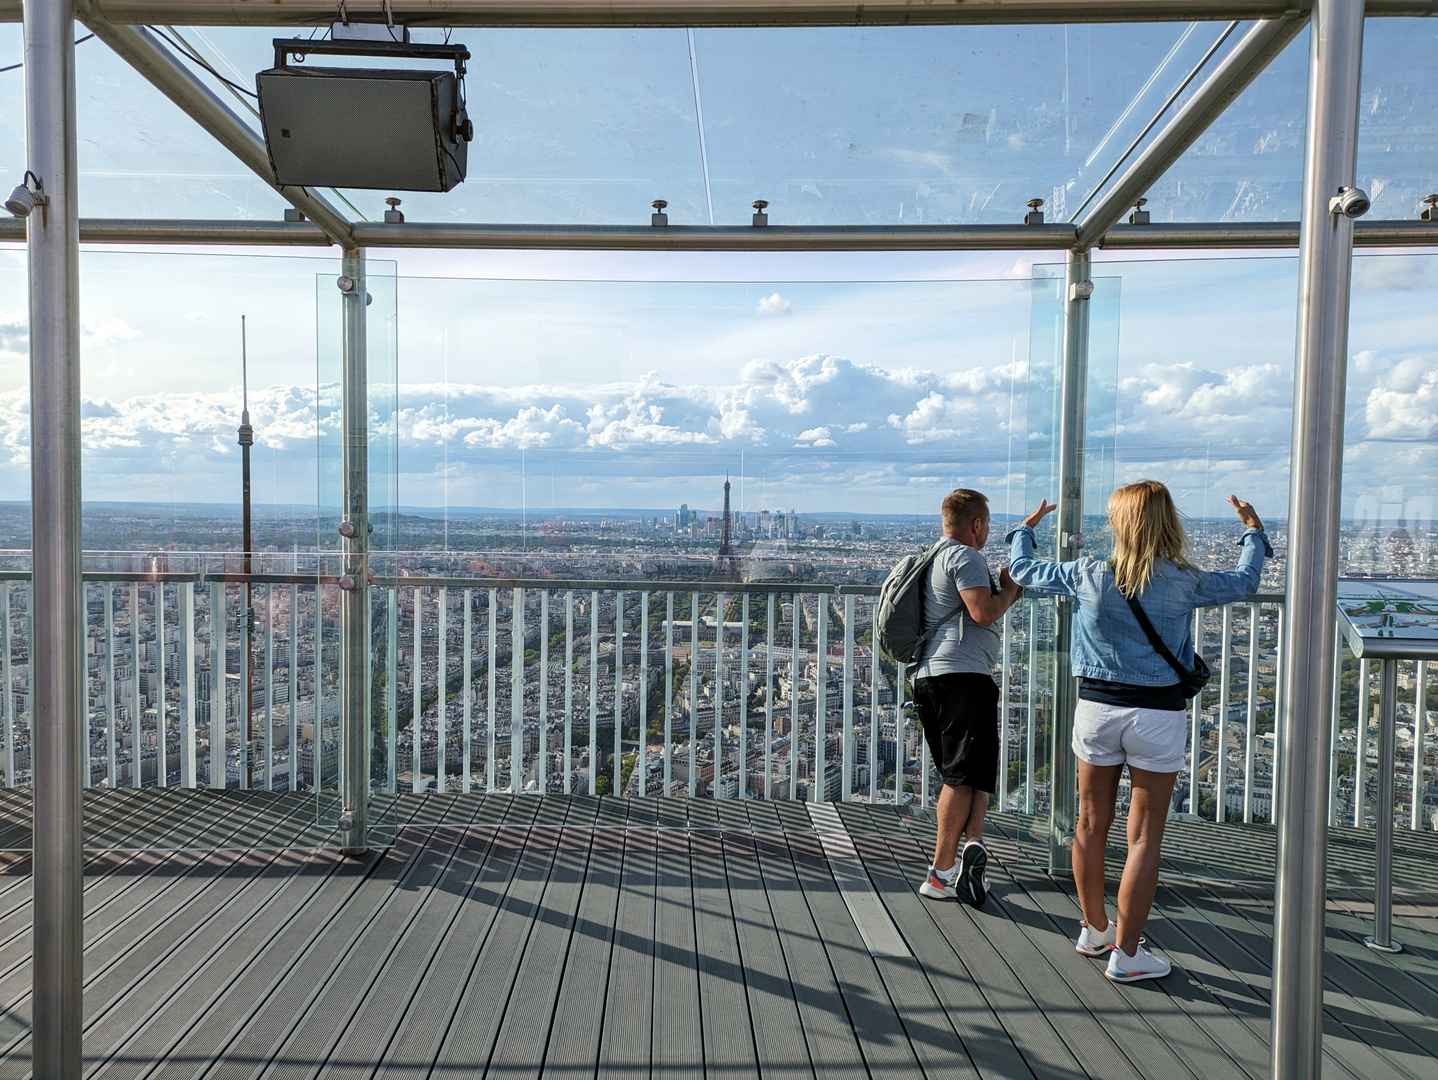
[(729, 690)]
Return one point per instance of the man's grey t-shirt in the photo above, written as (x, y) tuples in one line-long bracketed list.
[(975, 648)]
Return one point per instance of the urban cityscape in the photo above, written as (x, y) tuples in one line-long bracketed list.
[(623, 653)]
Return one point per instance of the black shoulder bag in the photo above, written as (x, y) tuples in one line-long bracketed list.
[(1190, 682)]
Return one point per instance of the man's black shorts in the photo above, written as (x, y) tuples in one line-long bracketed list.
[(960, 714)]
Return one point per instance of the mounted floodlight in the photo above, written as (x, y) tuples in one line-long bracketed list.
[(28, 194), (397, 129), (1350, 202)]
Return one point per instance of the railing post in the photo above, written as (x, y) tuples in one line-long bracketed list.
[(1195, 720), (618, 690), (268, 740), (491, 703), (1315, 482), (821, 698), (7, 687), (1063, 769), (354, 583), (111, 769), (1333, 725), (1250, 721), (1382, 937), (57, 658), (594, 691), (1220, 813), (162, 741), (1031, 636), (1420, 724), (391, 692), (769, 700), (794, 671), (569, 692), (1360, 752), (294, 690), (137, 772), (668, 691), (641, 761), (693, 694), (187, 684), (441, 703), (219, 697), (846, 771), (1004, 717), (744, 697), (719, 602), (516, 691)]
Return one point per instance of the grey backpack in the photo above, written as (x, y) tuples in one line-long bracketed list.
[(899, 622)]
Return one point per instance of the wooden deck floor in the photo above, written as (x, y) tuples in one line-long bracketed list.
[(570, 936)]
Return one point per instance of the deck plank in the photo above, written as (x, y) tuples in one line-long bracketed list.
[(626, 1041)]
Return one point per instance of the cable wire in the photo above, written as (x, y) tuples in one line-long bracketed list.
[(204, 63), (17, 67)]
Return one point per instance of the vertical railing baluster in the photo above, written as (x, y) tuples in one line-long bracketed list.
[(1278, 707), (924, 766), (28, 591), (541, 764), (901, 733), (87, 768), (1004, 681), (568, 690), (641, 761), (1220, 813), (668, 692), (744, 697), (1196, 720), (7, 688), (846, 768), (618, 689), (516, 691), (467, 692), (593, 692), (162, 734), (441, 698), (492, 672), (111, 774), (136, 728), (294, 742), (769, 699), (219, 696), (187, 684), (269, 594), (1335, 726), (1031, 636), (719, 602), (391, 691), (873, 702), (693, 694), (1420, 732), (821, 699), (416, 738), (1250, 719), (1360, 754), (794, 674)]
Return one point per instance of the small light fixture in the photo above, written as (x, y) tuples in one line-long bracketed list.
[(1035, 216), (659, 219), (1139, 215), (760, 218), (1431, 211), (393, 216), (28, 194), (1350, 202)]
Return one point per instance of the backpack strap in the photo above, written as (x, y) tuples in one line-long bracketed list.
[(928, 634), (1154, 640)]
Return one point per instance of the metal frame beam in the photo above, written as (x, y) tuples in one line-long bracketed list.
[(696, 13), (148, 55), (1232, 76), (1234, 236)]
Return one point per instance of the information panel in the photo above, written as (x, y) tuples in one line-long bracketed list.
[(1389, 619)]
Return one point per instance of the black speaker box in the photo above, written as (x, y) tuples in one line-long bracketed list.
[(396, 130)]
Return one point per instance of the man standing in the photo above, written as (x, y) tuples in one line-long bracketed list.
[(956, 696)]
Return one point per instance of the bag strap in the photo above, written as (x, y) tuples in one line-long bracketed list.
[(928, 634), (1153, 638)]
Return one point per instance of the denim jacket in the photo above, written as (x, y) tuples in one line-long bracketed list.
[(1108, 642)]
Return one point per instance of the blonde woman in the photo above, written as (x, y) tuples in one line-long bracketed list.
[(1131, 695)]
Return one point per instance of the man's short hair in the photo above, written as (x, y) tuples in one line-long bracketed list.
[(961, 506)]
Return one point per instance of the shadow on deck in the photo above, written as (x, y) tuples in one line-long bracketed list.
[(571, 936)]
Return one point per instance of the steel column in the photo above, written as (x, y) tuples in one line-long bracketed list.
[(1063, 774), (1316, 474), (1382, 937), (354, 586), (57, 657)]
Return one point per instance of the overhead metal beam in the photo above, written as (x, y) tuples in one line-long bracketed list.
[(460, 13), (148, 55), (1232, 76), (1235, 236)]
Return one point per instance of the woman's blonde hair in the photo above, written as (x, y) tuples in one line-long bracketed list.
[(1146, 527)]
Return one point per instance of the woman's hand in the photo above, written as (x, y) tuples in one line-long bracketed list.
[(1246, 513), (1045, 509)]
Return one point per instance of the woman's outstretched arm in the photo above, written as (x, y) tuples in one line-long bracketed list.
[(1038, 575), (1226, 586)]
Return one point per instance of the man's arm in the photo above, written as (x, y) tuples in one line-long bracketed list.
[(987, 607)]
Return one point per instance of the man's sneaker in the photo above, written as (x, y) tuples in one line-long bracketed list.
[(973, 882), (938, 886), (1141, 965), (1093, 942)]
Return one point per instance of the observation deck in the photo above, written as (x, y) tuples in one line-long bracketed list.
[(570, 935)]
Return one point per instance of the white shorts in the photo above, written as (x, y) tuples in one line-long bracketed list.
[(1152, 739)]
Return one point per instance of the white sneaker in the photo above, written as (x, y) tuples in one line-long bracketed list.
[(1141, 965), (1093, 942), (937, 886), (973, 882)]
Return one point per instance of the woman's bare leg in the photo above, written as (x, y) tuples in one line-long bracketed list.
[(1098, 787), (1147, 812)]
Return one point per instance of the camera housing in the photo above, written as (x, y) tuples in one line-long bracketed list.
[(1350, 202)]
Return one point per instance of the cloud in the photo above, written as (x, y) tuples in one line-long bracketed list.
[(14, 333), (107, 331), (774, 304), (1406, 405)]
